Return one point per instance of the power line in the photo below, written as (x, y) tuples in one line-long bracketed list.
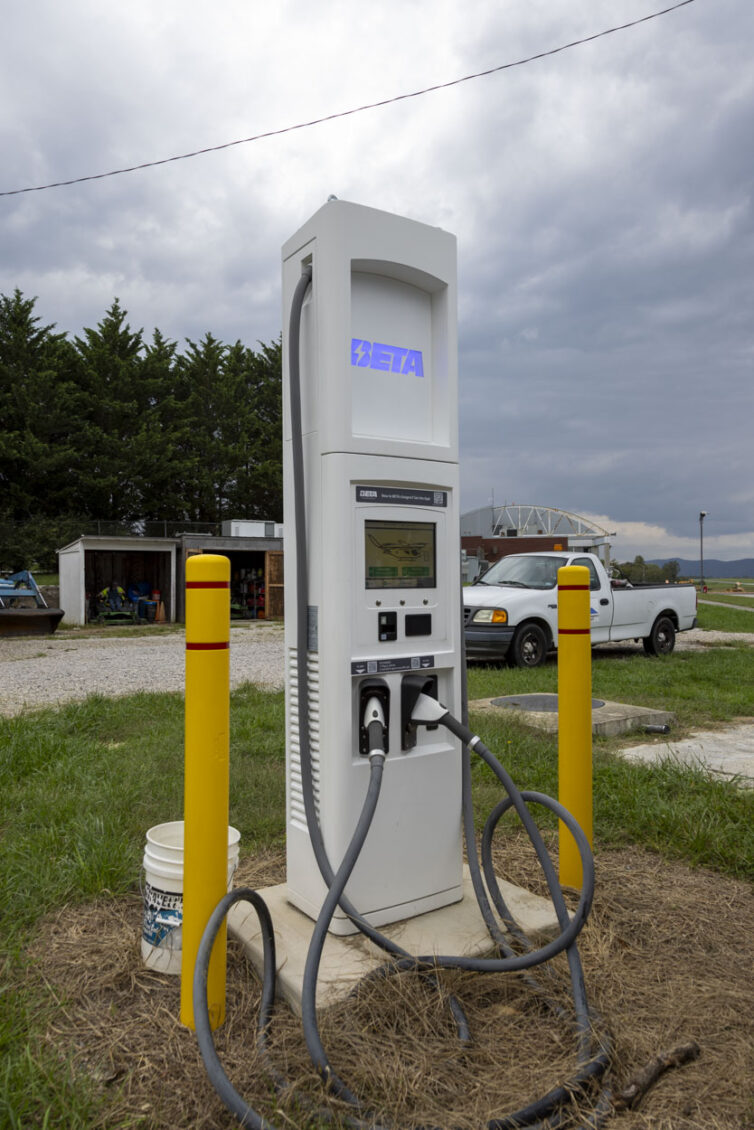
[(354, 110)]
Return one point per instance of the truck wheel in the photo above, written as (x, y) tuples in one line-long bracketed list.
[(529, 647), (661, 640)]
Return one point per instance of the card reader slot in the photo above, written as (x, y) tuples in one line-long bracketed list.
[(387, 626)]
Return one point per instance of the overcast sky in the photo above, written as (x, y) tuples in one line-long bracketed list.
[(601, 197)]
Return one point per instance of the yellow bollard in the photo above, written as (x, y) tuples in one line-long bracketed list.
[(206, 786), (574, 714)]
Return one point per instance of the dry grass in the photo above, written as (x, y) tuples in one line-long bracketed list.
[(667, 955)]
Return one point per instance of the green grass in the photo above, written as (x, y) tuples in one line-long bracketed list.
[(80, 785), (667, 808), (674, 810), (36, 1090), (739, 600), (704, 688), (130, 630), (122, 630), (713, 617)]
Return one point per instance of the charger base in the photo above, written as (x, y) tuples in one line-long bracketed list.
[(457, 929)]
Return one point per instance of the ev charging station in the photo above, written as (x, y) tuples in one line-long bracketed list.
[(377, 352), (378, 769)]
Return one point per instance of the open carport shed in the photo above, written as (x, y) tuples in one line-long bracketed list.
[(256, 572), (90, 563)]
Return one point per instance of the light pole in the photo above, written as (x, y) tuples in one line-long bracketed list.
[(702, 516)]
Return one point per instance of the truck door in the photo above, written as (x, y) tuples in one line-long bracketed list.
[(600, 601)]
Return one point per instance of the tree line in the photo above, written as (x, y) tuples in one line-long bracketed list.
[(111, 427), (640, 571)]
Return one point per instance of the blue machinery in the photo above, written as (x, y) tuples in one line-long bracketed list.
[(17, 618)]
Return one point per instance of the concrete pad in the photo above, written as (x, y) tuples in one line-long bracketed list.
[(456, 929), (727, 753), (608, 719)]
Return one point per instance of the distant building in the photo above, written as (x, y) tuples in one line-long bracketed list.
[(492, 532)]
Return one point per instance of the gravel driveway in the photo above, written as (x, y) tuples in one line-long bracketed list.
[(45, 671)]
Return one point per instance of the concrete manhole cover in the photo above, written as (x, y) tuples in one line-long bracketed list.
[(540, 703)]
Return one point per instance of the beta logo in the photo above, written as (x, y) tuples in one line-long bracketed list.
[(389, 358)]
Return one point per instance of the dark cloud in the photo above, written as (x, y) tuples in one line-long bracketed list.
[(602, 200), (610, 311)]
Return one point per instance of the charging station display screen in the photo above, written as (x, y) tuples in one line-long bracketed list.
[(399, 555)]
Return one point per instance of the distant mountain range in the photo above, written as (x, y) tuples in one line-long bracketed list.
[(744, 567)]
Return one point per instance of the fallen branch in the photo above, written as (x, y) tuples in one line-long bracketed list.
[(648, 1075)]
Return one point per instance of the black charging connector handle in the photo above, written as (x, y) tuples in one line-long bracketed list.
[(373, 688), (411, 687)]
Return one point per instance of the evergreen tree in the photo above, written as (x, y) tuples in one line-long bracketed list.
[(230, 442), (203, 406), (109, 428), (37, 406), (259, 456), (107, 376), (158, 471)]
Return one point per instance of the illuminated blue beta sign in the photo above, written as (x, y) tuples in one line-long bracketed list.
[(389, 358)]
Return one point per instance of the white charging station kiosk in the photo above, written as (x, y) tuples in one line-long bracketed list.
[(378, 364)]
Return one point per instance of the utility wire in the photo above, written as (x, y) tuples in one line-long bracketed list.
[(354, 110)]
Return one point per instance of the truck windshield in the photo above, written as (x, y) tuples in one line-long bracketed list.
[(529, 572)]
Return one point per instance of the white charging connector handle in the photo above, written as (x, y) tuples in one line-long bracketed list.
[(428, 710), (374, 723)]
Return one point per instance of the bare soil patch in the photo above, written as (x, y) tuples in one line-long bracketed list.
[(667, 955)]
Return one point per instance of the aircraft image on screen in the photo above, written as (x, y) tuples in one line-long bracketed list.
[(401, 550)]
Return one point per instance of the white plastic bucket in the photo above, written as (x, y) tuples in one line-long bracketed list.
[(163, 894)]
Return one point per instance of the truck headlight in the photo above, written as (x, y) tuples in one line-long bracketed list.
[(490, 616)]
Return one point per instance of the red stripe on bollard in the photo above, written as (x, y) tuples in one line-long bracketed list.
[(207, 584), (572, 588), (208, 646), (574, 631)]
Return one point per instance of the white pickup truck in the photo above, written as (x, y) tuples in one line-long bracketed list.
[(512, 610)]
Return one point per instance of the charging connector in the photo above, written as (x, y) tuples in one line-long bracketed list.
[(374, 720), (374, 717), (414, 689), (428, 711)]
